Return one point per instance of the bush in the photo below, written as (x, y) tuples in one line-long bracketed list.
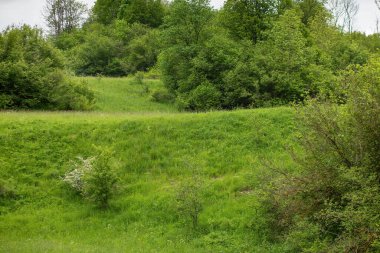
[(205, 97), (94, 179), (162, 96), (338, 191), (189, 201), (100, 182), (139, 78), (75, 178), (32, 74), (7, 191)]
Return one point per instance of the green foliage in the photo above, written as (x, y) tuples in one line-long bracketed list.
[(310, 9), (305, 237), (338, 189), (189, 200), (283, 64), (194, 63), (204, 98), (106, 11), (139, 78), (282, 59), (334, 50), (186, 30), (114, 50), (100, 181), (163, 96), (142, 51), (32, 75), (186, 23), (94, 179), (253, 53), (249, 19), (147, 12)]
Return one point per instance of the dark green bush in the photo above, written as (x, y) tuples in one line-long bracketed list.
[(204, 98), (32, 74), (163, 96)]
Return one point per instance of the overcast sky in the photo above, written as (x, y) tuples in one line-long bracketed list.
[(29, 11)]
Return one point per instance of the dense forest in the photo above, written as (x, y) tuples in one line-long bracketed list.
[(248, 54)]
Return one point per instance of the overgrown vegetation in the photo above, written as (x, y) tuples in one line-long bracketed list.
[(332, 205)]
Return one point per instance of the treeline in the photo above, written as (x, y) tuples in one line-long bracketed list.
[(247, 54)]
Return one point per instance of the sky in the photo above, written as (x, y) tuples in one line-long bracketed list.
[(30, 12)]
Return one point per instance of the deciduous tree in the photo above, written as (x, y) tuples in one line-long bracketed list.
[(64, 15)]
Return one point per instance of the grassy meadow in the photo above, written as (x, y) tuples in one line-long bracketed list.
[(156, 150), (125, 95)]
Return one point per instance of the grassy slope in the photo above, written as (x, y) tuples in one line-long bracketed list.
[(123, 95), (154, 155)]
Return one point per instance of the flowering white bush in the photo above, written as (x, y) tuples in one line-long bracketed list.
[(93, 178), (75, 178)]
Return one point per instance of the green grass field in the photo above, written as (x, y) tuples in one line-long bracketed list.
[(124, 95), (156, 150)]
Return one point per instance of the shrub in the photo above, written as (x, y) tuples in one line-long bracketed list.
[(7, 191), (75, 178), (94, 179), (117, 49), (32, 74), (205, 97), (139, 78), (189, 201), (338, 190), (100, 182), (162, 96)]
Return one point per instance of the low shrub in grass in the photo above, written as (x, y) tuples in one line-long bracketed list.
[(7, 191), (94, 179), (189, 201), (139, 78), (163, 96)]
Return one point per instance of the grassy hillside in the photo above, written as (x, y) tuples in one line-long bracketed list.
[(125, 95), (154, 154)]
